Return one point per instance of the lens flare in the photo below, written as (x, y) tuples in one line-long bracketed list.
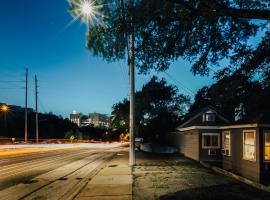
[(86, 10)]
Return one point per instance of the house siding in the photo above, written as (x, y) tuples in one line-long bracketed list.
[(264, 165), (189, 145), (236, 163), (186, 142)]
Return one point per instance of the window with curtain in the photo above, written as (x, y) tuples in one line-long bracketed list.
[(267, 145), (249, 149), (226, 142)]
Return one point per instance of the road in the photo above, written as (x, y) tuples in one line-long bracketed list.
[(55, 174)]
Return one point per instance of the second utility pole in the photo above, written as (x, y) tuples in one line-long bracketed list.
[(26, 88), (36, 95)]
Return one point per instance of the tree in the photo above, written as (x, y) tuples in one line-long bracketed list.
[(158, 109), (236, 96), (50, 125), (205, 32)]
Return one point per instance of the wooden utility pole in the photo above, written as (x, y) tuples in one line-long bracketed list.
[(132, 100), (36, 95), (26, 94), (132, 160)]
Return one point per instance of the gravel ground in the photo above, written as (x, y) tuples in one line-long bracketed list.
[(176, 177)]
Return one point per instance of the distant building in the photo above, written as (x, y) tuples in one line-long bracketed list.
[(76, 118), (93, 119), (99, 120)]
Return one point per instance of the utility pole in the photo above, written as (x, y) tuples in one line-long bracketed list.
[(36, 95), (132, 100), (132, 160), (26, 94)]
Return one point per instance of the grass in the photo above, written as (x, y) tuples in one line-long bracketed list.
[(172, 178)]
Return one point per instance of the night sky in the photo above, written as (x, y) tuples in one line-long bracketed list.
[(35, 34)]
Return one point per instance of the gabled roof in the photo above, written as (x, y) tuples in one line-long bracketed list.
[(202, 111)]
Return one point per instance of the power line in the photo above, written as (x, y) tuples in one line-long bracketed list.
[(11, 81), (11, 88), (182, 86), (124, 74)]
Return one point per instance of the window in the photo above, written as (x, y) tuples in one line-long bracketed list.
[(226, 143), (267, 145), (210, 140), (249, 145), (209, 117)]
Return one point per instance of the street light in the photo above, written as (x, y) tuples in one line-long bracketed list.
[(5, 109), (87, 11), (87, 8)]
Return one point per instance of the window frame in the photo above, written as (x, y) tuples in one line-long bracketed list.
[(210, 147), (205, 117), (230, 142), (255, 146), (264, 131)]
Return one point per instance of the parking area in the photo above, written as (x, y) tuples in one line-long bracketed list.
[(176, 177)]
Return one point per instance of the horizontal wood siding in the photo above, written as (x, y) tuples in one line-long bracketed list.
[(236, 163), (264, 164), (190, 144), (186, 142)]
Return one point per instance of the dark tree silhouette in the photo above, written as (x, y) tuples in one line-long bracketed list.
[(158, 108)]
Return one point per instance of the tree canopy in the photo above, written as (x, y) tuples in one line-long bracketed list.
[(205, 32), (159, 107), (237, 97)]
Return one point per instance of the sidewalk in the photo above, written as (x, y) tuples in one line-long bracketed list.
[(113, 182)]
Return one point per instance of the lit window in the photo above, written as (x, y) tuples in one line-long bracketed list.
[(210, 140), (226, 143), (267, 145), (249, 145)]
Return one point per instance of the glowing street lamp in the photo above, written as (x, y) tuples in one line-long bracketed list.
[(87, 8), (5, 109), (88, 11)]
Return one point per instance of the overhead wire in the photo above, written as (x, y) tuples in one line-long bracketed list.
[(181, 85)]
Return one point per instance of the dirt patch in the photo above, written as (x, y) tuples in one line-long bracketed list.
[(176, 177)]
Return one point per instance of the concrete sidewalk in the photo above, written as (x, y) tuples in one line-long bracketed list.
[(113, 182)]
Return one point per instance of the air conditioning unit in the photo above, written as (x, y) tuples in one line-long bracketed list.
[(225, 152), (212, 152)]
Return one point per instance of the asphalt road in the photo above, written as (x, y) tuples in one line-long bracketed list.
[(29, 176)]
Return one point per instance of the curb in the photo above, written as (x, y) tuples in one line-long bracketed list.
[(237, 177)]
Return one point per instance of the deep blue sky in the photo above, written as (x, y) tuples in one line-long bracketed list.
[(33, 34)]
